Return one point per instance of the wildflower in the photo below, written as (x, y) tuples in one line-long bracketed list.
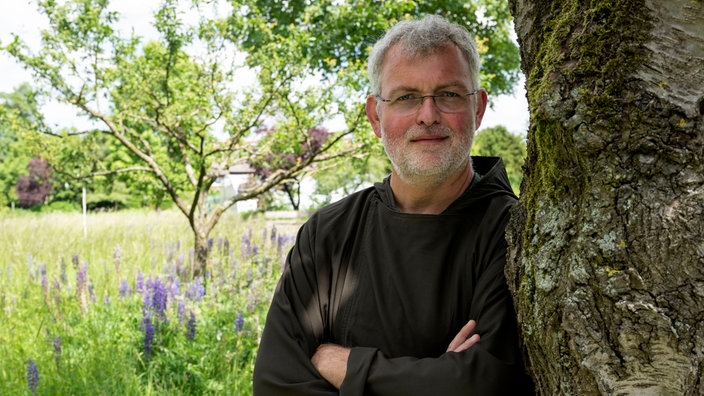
[(124, 290), (246, 244), (139, 283), (181, 310), (273, 234), (174, 286), (82, 287), (56, 291), (45, 281), (280, 241), (64, 278), (226, 247), (239, 321), (32, 376), (195, 291), (81, 279), (251, 301), (148, 328), (106, 300), (158, 298), (179, 265), (91, 292), (191, 326), (74, 260)]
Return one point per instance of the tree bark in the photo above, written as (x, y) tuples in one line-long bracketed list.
[(606, 258)]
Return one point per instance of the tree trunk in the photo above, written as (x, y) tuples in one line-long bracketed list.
[(201, 252), (606, 258)]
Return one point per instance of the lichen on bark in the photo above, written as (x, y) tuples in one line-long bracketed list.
[(606, 258)]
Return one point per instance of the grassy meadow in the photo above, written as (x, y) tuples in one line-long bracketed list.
[(115, 312)]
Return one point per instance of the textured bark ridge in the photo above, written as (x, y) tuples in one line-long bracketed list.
[(606, 263)]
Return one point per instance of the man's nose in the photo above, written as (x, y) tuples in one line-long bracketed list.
[(428, 112)]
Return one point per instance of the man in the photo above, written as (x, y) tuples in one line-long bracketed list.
[(399, 289)]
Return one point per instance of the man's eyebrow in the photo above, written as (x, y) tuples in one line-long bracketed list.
[(407, 88)]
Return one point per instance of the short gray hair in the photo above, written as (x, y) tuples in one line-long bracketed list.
[(422, 37)]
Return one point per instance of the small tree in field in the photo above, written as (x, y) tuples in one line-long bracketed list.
[(34, 188), (244, 86)]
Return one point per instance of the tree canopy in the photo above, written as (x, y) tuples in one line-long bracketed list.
[(498, 141)]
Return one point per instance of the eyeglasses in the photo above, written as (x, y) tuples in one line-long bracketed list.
[(447, 102)]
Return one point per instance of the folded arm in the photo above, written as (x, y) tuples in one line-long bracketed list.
[(331, 360)]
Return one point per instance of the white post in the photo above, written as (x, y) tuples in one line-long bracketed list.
[(85, 221)]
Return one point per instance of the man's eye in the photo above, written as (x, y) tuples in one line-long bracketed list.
[(448, 94), (404, 98)]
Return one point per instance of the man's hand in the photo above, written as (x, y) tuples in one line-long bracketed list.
[(464, 339), (331, 362)]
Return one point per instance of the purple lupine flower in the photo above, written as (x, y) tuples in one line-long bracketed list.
[(246, 245), (82, 282), (239, 321), (45, 280), (91, 292), (124, 290), (280, 241), (32, 376), (64, 278), (56, 291), (195, 291), (74, 260), (251, 301), (148, 328), (226, 247), (170, 256), (174, 286), (191, 326), (57, 349), (179, 265), (159, 298), (139, 283), (250, 275), (181, 310), (191, 256)]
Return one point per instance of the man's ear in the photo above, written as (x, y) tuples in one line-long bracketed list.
[(373, 114), (482, 100)]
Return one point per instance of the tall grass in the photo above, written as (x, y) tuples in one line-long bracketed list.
[(116, 312)]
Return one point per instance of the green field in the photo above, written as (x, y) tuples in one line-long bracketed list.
[(114, 311)]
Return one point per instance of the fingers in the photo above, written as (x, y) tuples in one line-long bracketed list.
[(468, 343), (464, 339)]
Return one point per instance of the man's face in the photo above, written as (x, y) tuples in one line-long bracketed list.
[(427, 143)]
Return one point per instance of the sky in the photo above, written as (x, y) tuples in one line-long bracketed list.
[(510, 111)]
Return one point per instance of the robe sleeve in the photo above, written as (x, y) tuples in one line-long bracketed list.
[(493, 366), (294, 328)]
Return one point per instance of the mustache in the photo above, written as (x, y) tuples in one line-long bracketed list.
[(434, 130)]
